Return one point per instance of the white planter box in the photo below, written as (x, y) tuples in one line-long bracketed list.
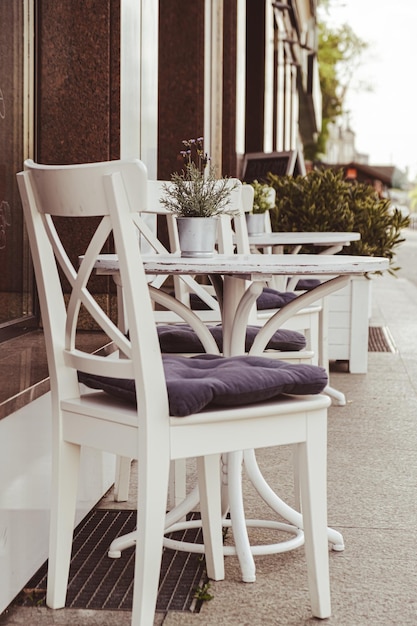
[(349, 313), (25, 478)]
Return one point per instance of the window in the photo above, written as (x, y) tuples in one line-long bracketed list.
[(16, 96)]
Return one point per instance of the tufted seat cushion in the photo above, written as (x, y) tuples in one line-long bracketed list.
[(273, 299), (180, 338), (200, 382), (269, 299), (306, 284)]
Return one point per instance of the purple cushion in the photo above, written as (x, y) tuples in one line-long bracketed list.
[(205, 381), (175, 338), (269, 299), (197, 304), (305, 284), (273, 299)]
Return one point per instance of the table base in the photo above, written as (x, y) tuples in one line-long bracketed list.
[(175, 520)]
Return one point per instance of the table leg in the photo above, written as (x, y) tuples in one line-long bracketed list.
[(278, 505)]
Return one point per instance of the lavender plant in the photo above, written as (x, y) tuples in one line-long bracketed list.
[(196, 191)]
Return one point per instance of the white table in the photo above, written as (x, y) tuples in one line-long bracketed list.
[(332, 242), (259, 269), (346, 316), (253, 271), (239, 279), (275, 242)]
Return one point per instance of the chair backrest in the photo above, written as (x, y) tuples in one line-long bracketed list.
[(272, 194), (115, 192), (239, 221), (225, 241)]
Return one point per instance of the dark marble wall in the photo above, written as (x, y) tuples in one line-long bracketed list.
[(181, 79), (78, 84), (255, 71), (77, 97), (77, 81), (229, 157)]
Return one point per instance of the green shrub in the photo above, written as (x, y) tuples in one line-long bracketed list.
[(323, 201)]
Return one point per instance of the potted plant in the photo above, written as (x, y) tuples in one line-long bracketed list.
[(197, 197), (263, 201), (323, 200)]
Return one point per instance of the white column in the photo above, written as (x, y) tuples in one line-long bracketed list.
[(294, 110), (279, 113), (269, 78), (241, 77), (28, 77), (139, 82), (213, 81), (288, 106)]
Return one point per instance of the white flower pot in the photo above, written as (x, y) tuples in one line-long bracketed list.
[(197, 236), (255, 223)]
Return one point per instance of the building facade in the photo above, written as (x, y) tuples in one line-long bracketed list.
[(103, 79)]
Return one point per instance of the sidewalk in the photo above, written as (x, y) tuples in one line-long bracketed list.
[(371, 500)]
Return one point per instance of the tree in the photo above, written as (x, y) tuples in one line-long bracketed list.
[(340, 53)]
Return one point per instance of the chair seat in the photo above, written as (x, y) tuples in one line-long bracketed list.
[(181, 339), (199, 382)]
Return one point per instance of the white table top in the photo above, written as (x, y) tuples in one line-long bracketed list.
[(303, 238), (252, 266)]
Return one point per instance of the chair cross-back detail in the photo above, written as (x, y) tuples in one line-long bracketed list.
[(155, 428)]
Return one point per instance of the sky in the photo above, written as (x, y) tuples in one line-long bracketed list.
[(384, 119)]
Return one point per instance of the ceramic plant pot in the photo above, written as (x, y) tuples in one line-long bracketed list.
[(255, 223), (197, 236)]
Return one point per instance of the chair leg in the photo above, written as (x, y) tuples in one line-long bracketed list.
[(209, 483), (296, 474), (313, 469), (153, 477), (122, 479), (65, 470), (177, 483)]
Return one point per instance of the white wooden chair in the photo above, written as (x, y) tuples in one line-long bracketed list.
[(186, 287), (115, 192)]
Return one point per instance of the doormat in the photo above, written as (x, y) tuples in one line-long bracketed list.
[(99, 582), (380, 340)]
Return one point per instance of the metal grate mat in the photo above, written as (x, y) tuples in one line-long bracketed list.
[(99, 582), (380, 340)]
